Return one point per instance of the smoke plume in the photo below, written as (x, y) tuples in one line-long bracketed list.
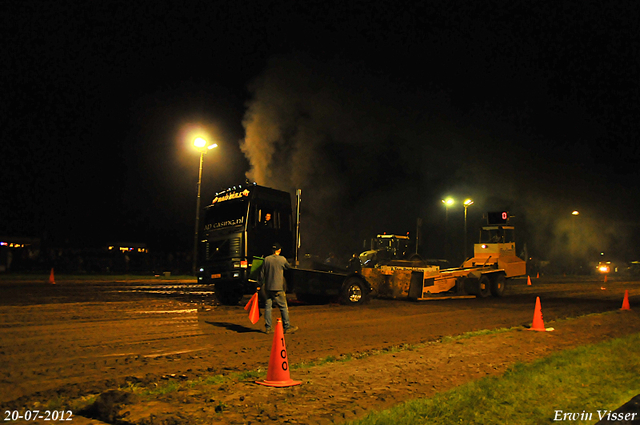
[(372, 154), (348, 139)]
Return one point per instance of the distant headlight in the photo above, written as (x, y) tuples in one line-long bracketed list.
[(603, 268)]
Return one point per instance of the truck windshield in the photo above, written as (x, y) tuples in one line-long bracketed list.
[(497, 234), (393, 245), (383, 244), (225, 214)]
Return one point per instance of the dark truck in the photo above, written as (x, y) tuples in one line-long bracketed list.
[(239, 228)]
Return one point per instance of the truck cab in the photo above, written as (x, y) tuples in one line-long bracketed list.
[(240, 224)]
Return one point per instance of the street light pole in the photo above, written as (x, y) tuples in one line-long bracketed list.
[(466, 204), (195, 237), (199, 143), (447, 202), (575, 215)]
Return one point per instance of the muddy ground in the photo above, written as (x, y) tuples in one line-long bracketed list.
[(74, 340)]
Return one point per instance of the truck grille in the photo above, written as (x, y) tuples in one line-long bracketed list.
[(223, 248), (234, 247)]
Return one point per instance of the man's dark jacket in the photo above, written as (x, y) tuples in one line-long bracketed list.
[(272, 273)]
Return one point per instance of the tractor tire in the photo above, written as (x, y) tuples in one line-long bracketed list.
[(353, 292), (498, 284), (484, 287)]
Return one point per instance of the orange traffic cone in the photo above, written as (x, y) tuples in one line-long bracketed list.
[(538, 323), (278, 372), (528, 280), (51, 278), (252, 306), (605, 278), (625, 302), (538, 275)]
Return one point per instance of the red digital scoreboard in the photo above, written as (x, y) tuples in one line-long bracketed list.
[(498, 217)]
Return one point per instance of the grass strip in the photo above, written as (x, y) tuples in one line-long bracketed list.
[(582, 380)]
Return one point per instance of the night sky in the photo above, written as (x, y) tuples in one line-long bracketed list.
[(376, 110)]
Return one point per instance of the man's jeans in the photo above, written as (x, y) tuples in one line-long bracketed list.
[(278, 298)]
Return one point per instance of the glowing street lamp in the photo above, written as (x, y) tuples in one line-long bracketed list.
[(467, 203), (448, 201), (201, 145)]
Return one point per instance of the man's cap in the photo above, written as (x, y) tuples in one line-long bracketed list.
[(276, 246)]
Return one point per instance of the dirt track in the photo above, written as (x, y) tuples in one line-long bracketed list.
[(78, 339)]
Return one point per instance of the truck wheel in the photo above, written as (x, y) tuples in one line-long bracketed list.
[(497, 285), (228, 296), (353, 292), (484, 287)]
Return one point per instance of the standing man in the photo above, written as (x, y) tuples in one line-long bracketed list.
[(272, 277)]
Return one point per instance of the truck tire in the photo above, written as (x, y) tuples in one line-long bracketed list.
[(484, 286), (228, 296), (498, 284), (353, 292)]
